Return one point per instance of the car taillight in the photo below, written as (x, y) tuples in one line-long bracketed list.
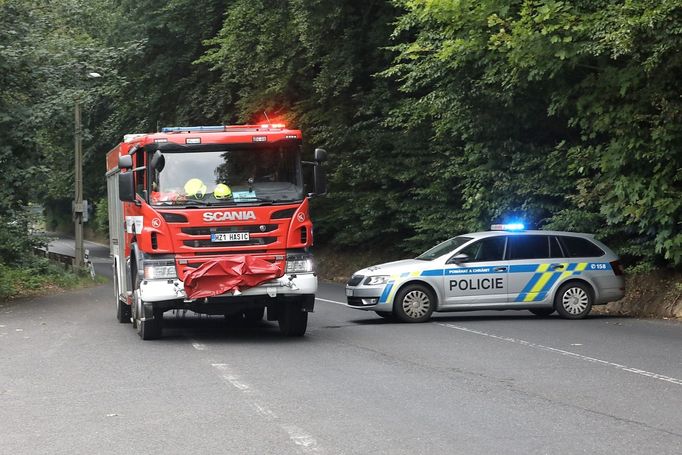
[(617, 268)]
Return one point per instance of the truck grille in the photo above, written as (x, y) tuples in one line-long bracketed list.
[(252, 229), (254, 241)]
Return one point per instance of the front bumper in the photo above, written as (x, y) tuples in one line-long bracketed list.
[(288, 285), (367, 297)]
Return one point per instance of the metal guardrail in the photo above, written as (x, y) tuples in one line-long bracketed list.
[(65, 259)]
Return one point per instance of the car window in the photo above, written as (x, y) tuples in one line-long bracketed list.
[(443, 248), (528, 247), (579, 247), (488, 249), (554, 248)]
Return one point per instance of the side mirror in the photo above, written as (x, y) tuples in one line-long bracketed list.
[(125, 162), (320, 178), (459, 258), (158, 161), (126, 187), (320, 155)]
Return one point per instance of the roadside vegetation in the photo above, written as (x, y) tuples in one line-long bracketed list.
[(39, 276), (440, 116)]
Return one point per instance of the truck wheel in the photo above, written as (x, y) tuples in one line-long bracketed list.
[(293, 321), (414, 303), (149, 329), (123, 312), (573, 301)]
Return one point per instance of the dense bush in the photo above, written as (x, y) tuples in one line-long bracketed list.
[(440, 116)]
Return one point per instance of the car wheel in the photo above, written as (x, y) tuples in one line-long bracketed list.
[(293, 321), (414, 303), (542, 311), (573, 301)]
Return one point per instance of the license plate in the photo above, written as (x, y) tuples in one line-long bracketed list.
[(349, 293), (230, 237)]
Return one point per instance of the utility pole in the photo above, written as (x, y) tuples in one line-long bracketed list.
[(78, 176), (78, 208)]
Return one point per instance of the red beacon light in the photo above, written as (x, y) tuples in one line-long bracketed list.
[(273, 126)]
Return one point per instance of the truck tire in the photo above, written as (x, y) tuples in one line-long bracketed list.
[(293, 321), (147, 329), (123, 312)]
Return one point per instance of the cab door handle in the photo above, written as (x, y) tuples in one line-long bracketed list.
[(500, 269), (556, 266)]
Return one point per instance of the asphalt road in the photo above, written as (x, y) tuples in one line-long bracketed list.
[(74, 381)]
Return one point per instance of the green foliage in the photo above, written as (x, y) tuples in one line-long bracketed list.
[(100, 223), (38, 275), (440, 116), (566, 112)]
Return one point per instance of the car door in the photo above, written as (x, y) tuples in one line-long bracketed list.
[(481, 279), (535, 262)]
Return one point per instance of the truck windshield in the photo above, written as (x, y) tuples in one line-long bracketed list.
[(443, 248), (228, 177)]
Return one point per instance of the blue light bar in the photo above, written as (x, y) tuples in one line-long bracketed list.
[(508, 227), (193, 129)]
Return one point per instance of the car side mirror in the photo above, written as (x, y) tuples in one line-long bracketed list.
[(459, 258), (126, 187), (125, 162)]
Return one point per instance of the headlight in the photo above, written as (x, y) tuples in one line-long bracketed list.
[(376, 280), (300, 263), (159, 270)]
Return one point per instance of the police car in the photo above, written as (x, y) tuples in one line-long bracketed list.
[(502, 269)]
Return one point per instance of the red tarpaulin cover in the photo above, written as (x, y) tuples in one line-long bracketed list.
[(223, 275)]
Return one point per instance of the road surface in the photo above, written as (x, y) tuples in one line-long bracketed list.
[(74, 381)]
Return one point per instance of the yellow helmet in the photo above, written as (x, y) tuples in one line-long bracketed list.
[(222, 191), (195, 187)]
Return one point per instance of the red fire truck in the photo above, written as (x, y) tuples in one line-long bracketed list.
[(213, 219)]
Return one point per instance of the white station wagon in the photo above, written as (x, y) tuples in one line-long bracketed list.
[(502, 269)]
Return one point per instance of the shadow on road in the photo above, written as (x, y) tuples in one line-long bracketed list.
[(476, 318), (217, 329)]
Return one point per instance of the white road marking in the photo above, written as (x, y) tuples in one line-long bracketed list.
[(199, 346), (305, 441), (575, 355), (331, 301)]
